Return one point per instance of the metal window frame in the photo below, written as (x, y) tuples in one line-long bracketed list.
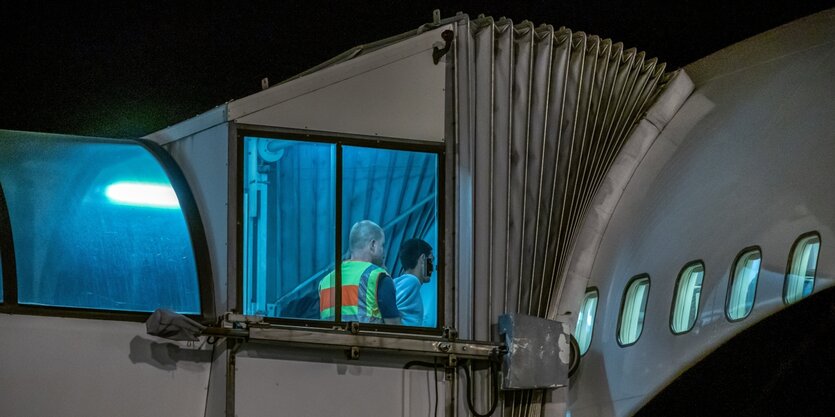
[(339, 140), (197, 237)]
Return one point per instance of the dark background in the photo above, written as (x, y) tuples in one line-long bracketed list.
[(113, 69)]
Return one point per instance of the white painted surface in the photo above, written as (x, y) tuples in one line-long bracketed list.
[(396, 91), (189, 127), (330, 386), (72, 367), (203, 158)]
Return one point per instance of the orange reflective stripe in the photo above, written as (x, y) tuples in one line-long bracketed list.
[(356, 276), (350, 296)]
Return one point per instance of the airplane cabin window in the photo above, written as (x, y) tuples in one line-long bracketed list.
[(633, 310), (800, 276), (687, 295), (388, 223), (97, 225), (743, 285), (585, 321)]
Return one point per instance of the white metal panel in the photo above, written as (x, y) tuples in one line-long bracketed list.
[(768, 46), (71, 367), (216, 401), (396, 91), (203, 157), (191, 126), (464, 160), (267, 384)]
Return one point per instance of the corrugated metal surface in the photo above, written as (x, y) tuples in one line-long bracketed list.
[(542, 115)]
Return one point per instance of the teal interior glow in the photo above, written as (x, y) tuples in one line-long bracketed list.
[(289, 217), (142, 194), (96, 225)]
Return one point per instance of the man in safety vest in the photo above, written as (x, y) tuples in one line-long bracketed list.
[(368, 294)]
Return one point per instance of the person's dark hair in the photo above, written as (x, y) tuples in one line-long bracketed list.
[(411, 250)]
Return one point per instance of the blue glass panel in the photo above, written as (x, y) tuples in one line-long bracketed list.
[(288, 225), (96, 225), (398, 191)]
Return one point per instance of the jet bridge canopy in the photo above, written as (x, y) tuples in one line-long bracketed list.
[(97, 224)]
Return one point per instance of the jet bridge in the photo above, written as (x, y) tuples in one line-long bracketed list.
[(486, 138)]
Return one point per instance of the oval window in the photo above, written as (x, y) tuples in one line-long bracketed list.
[(803, 262), (633, 309), (743, 285), (686, 301), (585, 321)]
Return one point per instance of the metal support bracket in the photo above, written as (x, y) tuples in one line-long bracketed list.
[(438, 53), (353, 353), (354, 339)]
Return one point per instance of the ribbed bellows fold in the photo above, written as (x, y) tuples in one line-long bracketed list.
[(551, 111)]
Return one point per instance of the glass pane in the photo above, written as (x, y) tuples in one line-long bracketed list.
[(744, 285), (396, 190), (288, 225), (800, 279), (585, 321), (96, 225), (632, 313), (688, 292)]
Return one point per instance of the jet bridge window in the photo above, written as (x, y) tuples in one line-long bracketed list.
[(803, 263), (291, 192), (585, 320), (633, 309), (686, 301), (96, 225), (743, 285)]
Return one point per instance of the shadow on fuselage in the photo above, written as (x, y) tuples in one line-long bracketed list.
[(781, 366)]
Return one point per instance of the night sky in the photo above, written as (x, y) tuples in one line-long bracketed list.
[(108, 69)]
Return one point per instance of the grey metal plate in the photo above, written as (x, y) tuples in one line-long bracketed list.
[(537, 352)]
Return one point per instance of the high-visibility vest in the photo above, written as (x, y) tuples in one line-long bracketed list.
[(359, 293)]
